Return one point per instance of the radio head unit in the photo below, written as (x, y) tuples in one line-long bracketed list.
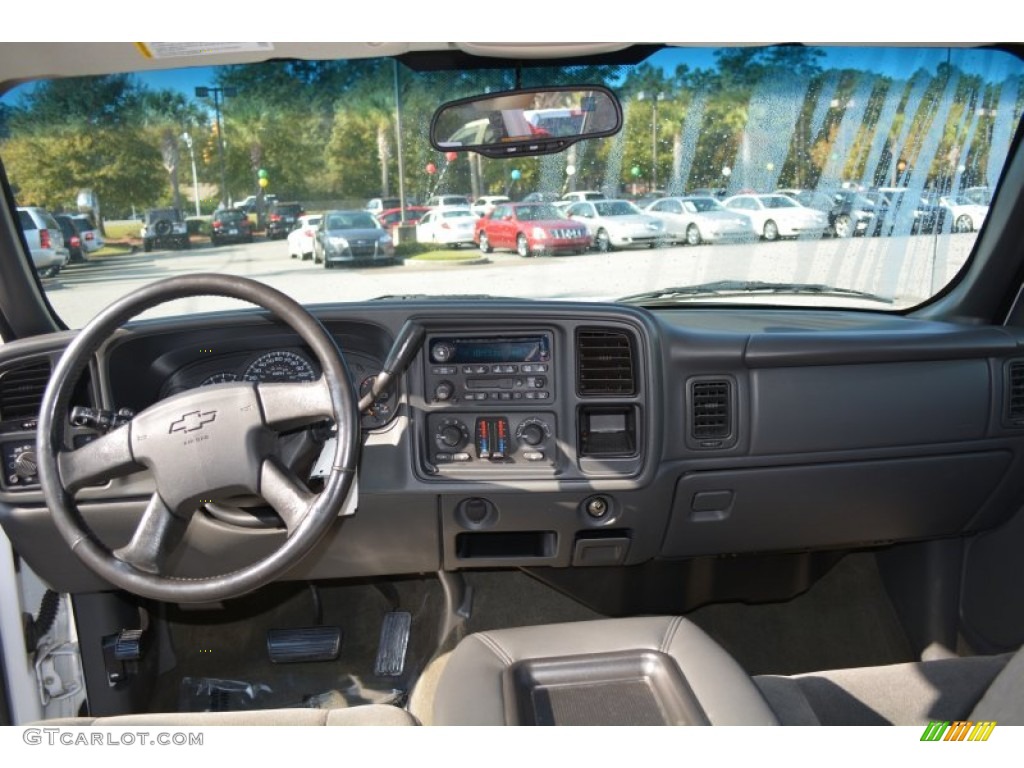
[(504, 369), (493, 349)]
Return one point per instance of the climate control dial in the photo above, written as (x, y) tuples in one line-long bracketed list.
[(451, 435)]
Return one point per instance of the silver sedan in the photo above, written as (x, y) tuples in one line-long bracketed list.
[(699, 219), (618, 224)]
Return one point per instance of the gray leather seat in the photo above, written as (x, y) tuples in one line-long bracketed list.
[(581, 673), (970, 688), (371, 714), (595, 672)]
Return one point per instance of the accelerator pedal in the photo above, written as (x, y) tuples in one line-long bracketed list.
[(287, 646), (394, 641)]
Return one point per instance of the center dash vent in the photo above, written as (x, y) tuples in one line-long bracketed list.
[(1015, 393), (711, 413), (21, 390), (604, 362)]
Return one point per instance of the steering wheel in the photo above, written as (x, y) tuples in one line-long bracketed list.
[(207, 443)]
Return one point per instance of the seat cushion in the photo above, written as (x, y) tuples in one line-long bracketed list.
[(472, 689), (371, 714), (897, 694)]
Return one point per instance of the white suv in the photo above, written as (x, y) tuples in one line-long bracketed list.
[(45, 240)]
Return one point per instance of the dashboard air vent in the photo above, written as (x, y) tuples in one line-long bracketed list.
[(21, 390), (604, 362), (1015, 393), (711, 412)]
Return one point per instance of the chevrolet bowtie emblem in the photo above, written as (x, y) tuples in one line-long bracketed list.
[(192, 421)]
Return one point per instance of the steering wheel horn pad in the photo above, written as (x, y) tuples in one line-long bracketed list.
[(210, 443)]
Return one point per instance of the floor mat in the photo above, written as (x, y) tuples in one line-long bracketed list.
[(845, 620), (221, 655)]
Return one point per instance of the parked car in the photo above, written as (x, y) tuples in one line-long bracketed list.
[(541, 197), (351, 237), (164, 228), (530, 229), (696, 220), (45, 240), (90, 234), (642, 201), (775, 216), (72, 240), (484, 205), (377, 205), (618, 224), (909, 212), (446, 226), (281, 219), (230, 226), (392, 217), (584, 194), (965, 214), (857, 213), (809, 198), (302, 236), (448, 201), (251, 203)]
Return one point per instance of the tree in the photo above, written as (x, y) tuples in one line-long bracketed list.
[(118, 163)]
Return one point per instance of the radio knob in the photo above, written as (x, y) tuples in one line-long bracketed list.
[(442, 352), (532, 434), (25, 464), (444, 391)]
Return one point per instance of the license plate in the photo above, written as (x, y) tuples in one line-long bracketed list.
[(232, 231)]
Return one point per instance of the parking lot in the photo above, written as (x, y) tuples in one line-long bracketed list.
[(902, 269)]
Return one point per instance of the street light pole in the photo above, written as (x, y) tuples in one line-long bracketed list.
[(218, 94), (195, 178), (655, 98)]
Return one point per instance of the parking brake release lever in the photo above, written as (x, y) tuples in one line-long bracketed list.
[(407, 344)]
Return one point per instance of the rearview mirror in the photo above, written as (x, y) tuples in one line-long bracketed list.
[(533, 121)]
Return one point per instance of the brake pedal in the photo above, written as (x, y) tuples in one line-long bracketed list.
[(394, 641), (287, 646)]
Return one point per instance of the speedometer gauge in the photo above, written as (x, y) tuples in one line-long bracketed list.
[(219, 378), (280, 365)]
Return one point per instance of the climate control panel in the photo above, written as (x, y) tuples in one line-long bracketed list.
[(484, 441)]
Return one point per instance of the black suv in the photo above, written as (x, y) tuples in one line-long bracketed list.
[(281, 219), (164, 228)]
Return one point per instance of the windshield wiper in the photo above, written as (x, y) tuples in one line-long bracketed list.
[(719, 288)]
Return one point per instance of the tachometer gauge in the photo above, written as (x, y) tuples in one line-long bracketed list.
[(280, 366), (219, 378), (379, 412)]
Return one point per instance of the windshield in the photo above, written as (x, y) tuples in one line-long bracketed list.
[(538, 212), (349, 139), (615, 208), (702, 205), (351, 220)]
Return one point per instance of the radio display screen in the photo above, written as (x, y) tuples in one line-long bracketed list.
[(520, 349)]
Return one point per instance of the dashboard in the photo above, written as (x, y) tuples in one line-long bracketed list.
[(568, 436)]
